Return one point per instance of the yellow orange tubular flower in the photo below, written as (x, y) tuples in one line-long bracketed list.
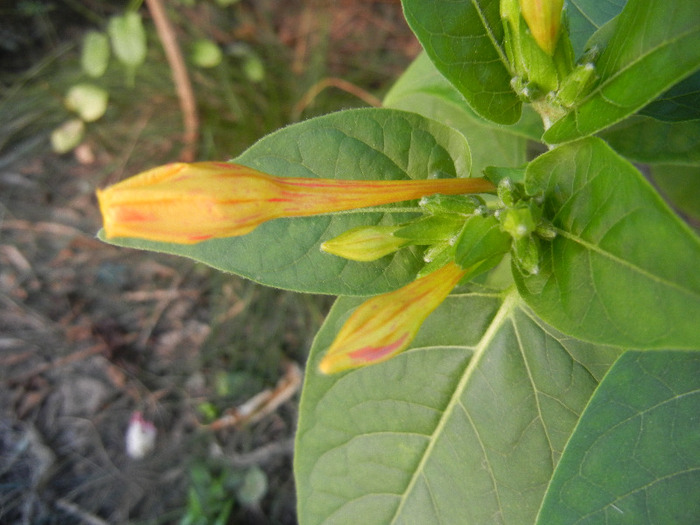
[(188, 203), (386, 324)]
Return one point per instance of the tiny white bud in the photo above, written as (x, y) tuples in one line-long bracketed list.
[(140, 436)]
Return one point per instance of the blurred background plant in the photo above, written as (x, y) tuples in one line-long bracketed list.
[(89, 334)]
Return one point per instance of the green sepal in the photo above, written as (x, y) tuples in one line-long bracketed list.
[(497, 173), (577, 84), (481, 238), (526, 254), (460, 204), (521, 221), (508, 192), (431, 229), (437, 256)]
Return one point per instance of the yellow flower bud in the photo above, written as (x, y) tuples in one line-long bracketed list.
[(365, 243), (543, 17), (386, 324), (189, 203)]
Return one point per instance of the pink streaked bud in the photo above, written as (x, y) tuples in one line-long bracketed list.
[(386, 324), (188, 203)]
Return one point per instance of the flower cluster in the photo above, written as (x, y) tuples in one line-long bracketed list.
[(190, 203)]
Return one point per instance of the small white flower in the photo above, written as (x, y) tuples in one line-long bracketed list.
[(140, 436)]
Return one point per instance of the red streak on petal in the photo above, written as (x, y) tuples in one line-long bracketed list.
[(131, 215), (370, 353), (199, 237)]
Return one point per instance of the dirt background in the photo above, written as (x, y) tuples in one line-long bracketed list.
[(91, 334)]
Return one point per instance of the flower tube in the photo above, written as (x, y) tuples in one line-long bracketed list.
[(188, 203), (385, 325)]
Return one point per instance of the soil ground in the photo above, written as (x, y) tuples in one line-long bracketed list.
[(91, 334)]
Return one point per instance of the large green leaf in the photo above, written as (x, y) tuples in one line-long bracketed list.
[(464, 427), (644, 139), (681, 102), (422, 89), (377, 144), (464, 39), (635, 454), (587, 16), (655, 45), (623, 268), (680, 185)]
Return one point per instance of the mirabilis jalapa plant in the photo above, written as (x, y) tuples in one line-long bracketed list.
[(535, 318)]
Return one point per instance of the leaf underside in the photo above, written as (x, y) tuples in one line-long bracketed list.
[(635, 454), (464, 427)]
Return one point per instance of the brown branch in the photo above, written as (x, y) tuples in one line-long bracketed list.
[(339, 83), (181, 79)]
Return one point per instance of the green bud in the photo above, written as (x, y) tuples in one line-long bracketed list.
[(460, 204), (436, 257), (509, 193), (518, 222), (365, 243), (546, 230), (577, 84), (527, 254), (431, 229)]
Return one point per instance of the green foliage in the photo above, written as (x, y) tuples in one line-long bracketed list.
[(496, 411), (475, 438), (464, 40), (608, 269), (636, 446), (648, 37)]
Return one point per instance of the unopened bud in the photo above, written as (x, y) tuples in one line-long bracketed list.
[(543, 17), (545, 230), (459, 204), (527, 254), (577, 85), (431, 229), (518, 222), (508, 192), (365, 243)]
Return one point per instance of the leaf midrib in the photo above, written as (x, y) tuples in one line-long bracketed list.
[(510, 302), (627, 264), (629, 65)]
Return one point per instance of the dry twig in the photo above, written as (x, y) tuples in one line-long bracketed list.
[(185, 93), (339, 83), (264, 403)]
